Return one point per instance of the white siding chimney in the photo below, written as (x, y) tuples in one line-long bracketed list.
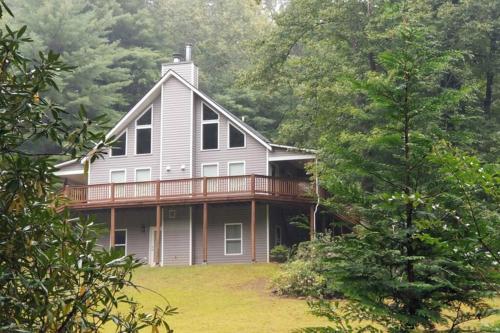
[(184, 67)]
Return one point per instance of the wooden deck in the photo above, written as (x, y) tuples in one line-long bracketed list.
[(190, 191)]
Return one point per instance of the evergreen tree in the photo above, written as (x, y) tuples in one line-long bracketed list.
[(78, 30)]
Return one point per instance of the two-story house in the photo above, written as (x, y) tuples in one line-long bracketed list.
[(188, 182)]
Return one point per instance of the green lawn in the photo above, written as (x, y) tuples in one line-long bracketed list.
[(225, 298)]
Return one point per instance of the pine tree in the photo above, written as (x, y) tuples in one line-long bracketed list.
[(420, 245), (78, 30)]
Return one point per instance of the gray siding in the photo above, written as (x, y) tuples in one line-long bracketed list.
[(176, 238), (254, 154), (99, 170), (176, 141), (218, 215), (136, 221)]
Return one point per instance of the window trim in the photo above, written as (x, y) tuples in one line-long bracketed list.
[(126, 144), (237, 162), (207, 164), (114, 170), (211, 121), (150, 126), (233, 239), (126, 239), (229, 124)]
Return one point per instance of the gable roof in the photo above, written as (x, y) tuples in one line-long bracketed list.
[(151, 95)]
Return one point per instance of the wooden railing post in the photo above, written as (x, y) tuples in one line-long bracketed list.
[(112, 229), (157, 253), (252, 230), (205, 186), (205, 232), (112, 192), (252, 183), (158, 190)]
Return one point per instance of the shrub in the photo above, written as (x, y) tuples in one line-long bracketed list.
[(279, 253), (304, 273), (299, 279)]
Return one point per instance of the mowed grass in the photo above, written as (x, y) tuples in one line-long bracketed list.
[(229, 298), (223, 298)]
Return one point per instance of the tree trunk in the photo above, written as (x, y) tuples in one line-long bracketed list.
[(410, 274), (488, 96), (490, 76)]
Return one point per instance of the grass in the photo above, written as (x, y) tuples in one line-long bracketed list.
[(223, 298), (229, 298)]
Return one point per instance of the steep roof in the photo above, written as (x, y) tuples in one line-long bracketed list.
[(151, 94), (148, 98)]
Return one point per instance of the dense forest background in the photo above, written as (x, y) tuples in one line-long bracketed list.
[(277, 62)]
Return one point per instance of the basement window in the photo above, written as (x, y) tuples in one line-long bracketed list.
[(233, 236), (121, 241), (143, 132), (209, 129), (236, 137), (119, 147)]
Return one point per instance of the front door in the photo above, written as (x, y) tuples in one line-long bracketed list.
[(152, 237)]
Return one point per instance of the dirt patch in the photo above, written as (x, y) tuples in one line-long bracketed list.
[(259, 285)]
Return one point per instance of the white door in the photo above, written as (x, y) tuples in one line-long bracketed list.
[(151, 252), (118, 176), (143, 189), (237, 184), (210, 170)]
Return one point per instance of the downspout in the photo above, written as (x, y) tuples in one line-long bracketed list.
[(316, 183)]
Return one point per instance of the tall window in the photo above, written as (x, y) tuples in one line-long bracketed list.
[(209, 129), (143, 133), (119, 147), (121, 241), (233, 235), (210, 170), (236, 137), (237, 184), (143, 189), (119, 176)]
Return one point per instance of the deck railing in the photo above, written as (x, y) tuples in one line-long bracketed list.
[(188, 188)]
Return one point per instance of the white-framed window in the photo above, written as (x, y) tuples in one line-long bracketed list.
[(210, 170), (236, 168), (119, 146), (278, 240), (237, 184), (144, 132), (143, 189), (121, 241), (118, 176), (209, 128), (233, 239), (235, 137)]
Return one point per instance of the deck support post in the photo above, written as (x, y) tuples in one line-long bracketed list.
[(205, 232), (252, 230), (158, 235), (311, 222), (112, 229)]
